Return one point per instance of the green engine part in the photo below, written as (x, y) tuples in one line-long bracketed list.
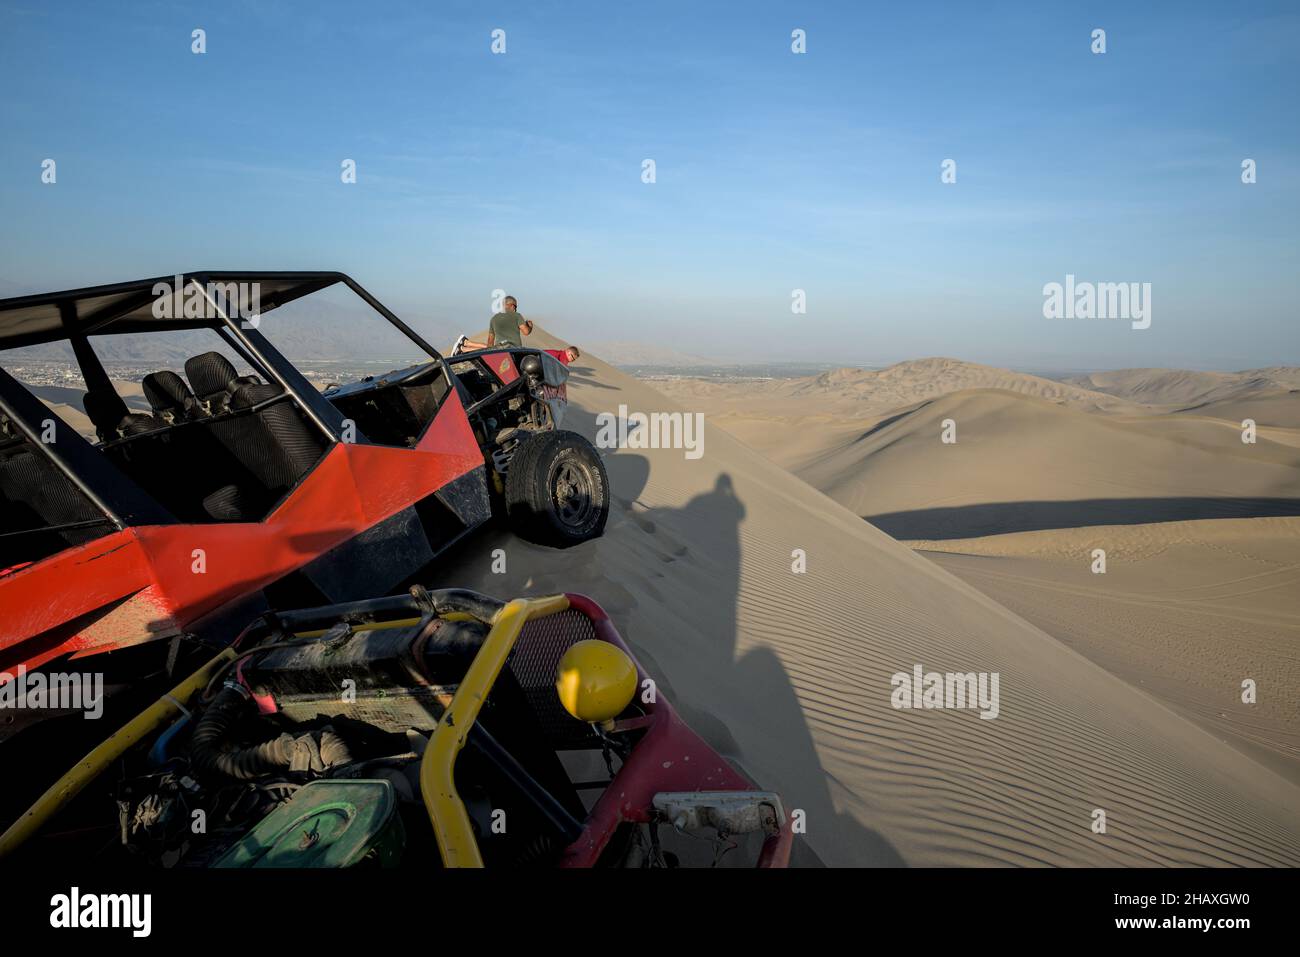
[(326, 824)]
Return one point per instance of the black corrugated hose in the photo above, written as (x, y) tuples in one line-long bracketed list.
[(315, 751)]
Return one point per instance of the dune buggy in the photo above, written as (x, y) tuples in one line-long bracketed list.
[(240, 489), (438, 727)]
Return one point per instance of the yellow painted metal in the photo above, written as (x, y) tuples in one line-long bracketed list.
[(93, 764), (451, 824)]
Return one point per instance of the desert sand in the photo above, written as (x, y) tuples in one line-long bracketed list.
[(1020, 463), (1186, 611), (789, 673), (1199, 592), (1183, 389), (66, 403)]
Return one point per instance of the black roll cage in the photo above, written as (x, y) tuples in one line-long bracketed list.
[(120, 499)]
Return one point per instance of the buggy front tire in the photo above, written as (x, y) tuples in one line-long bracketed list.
[(557, 490)]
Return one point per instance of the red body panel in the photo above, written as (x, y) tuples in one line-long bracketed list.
[(143, 583), (669, 757), (502, 365)]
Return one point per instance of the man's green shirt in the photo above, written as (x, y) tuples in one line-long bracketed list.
[(505, 328)]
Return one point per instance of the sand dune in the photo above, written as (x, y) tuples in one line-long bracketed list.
[(65, 402), (790, 674), (1184, 610), (919, 379), (1272, 408), (1183, 388), (1271, 397), (802, 420), (1021, 463), (859, 393), (1188, 608), (791, 419)]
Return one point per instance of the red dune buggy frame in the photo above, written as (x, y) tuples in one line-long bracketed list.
[(181, 522)]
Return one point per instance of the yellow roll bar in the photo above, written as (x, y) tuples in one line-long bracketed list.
[(451, 824), (92, 765)]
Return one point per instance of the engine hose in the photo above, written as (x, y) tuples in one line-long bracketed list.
[(245, 764), (444, 600)]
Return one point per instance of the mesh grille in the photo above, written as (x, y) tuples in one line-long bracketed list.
[(393, 710), (541, 644)]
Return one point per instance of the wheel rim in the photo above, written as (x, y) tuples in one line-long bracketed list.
[(573, 493)]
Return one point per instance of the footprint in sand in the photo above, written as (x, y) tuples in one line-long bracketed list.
[(643, 523)]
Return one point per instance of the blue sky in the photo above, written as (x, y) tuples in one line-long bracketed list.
[(775, 171)]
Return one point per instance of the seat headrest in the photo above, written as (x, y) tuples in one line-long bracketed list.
[(112, 419), (105, 409), (169, 395), (209, 373), (138, 422)]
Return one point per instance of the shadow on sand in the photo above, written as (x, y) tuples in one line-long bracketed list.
[(999, 518), (706, 533)]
